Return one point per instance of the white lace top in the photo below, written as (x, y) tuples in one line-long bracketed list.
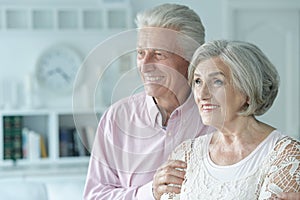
[(273, 167)]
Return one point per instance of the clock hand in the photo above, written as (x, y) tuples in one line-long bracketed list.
[(51, 72), (63, 74)]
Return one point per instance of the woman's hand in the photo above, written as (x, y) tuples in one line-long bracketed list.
[(288, 196), (168, 178)]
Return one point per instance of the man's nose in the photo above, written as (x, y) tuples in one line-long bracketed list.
[(147, 67), (148, 57), (147, 63)]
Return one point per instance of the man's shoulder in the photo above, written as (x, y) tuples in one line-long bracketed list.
[(130, 103), (132, 100)]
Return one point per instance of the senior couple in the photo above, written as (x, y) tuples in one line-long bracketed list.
[(192, 134)]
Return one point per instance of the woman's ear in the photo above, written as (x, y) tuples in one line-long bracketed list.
[(246, 104), (248, 100)]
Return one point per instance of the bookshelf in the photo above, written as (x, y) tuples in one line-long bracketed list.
[(53, 137), (47, 124)]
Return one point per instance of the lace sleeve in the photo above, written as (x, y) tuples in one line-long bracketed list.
[(182, 152), (283, 169)]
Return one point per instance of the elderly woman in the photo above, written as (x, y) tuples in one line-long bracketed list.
[(243, 158)]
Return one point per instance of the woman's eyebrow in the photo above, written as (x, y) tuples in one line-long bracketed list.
[(211, 74), (216, 74)]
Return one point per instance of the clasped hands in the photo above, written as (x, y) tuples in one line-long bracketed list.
[(168, 178)]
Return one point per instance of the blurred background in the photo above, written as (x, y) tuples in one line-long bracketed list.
[(43, 44)]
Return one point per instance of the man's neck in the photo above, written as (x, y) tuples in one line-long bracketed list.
[(168, 103)]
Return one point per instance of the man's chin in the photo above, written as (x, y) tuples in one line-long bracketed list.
[(155, 91)]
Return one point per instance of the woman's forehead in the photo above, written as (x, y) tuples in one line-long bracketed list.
[(212, 65)]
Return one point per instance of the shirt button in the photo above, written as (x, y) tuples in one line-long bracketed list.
[(169, 133)]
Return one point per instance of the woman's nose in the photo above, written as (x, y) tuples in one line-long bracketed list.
[(204, 92)]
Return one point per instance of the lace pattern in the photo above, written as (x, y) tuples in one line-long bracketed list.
[(280, 172), (282, 169)]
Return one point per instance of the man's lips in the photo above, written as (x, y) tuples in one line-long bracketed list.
[(153, 78)]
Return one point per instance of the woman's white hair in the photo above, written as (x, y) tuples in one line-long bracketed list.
[(252, 72)]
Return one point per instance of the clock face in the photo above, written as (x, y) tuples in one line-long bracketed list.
[(57, 68)]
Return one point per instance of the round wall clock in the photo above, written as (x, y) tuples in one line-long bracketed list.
[(56, 69)]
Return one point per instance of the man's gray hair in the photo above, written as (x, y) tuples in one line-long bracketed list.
[(178, 18)]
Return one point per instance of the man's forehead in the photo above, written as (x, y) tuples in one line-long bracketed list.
[(158, 38), (167, 39)]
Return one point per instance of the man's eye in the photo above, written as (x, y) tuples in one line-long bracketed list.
[(160, 55), (140, 53)]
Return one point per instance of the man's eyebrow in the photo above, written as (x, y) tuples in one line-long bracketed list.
[(153, 49)]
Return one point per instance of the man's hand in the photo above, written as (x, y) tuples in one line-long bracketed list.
[(289, 196), (172, 172)]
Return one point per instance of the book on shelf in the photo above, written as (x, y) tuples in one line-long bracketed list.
[(17, 136), (43, 147), (33, 146), (70, 143), (66, 142), (78, 144), (12, 137), (7, 138), (19, 142)]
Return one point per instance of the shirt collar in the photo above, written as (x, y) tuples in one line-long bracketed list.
[(154, 111), (188, 104)]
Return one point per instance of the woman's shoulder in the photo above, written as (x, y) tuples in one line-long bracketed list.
[(286, 151), (186, 147), (190, 143), (288, 145), (202, 140)]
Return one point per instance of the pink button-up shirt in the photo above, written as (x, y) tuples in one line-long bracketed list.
[(130, 144)]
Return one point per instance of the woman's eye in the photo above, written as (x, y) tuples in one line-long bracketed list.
[(197, 81), (218, 82)]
